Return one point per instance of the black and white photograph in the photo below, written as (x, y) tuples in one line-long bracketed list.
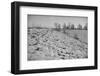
[(57, 37), (52, 37)]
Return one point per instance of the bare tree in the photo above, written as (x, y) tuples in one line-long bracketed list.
[(79, 27), (85, 27), (58, 27), (64, 28), (72, 27), (68, 26)]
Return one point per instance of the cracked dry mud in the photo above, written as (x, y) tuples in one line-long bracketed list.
[(48, 44)]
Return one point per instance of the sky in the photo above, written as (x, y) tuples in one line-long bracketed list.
[(49, 20)]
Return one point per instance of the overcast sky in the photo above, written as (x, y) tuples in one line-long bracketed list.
[(48, 21)]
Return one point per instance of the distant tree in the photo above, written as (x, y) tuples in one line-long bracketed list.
[(72, 27), (58, 27), (68, 26), (79, 27), (85, 27), (64, 28)]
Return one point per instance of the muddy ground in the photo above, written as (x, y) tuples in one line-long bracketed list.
[(48, 44)]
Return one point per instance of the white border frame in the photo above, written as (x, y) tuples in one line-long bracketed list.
[(24, 64)]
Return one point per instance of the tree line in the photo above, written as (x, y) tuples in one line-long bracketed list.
[(69, 27)]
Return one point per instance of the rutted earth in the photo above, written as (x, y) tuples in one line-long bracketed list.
[(48, 44)]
